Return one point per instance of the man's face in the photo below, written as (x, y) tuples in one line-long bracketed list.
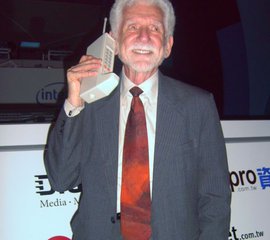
[(141, 39)]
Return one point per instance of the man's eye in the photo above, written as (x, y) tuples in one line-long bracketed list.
[(132, 27), (155, 28)]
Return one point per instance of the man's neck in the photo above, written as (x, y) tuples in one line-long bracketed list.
[(138, 77)]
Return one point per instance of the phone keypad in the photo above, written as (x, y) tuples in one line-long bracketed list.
[(107, 61)]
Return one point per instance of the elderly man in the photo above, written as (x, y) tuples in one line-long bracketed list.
[(151, 156)]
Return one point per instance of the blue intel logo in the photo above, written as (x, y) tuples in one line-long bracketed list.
[(53, 93)]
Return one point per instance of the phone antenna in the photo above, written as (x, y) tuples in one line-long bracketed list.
[(104, 25)]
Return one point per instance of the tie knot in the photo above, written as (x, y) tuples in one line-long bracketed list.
[(136, 91)]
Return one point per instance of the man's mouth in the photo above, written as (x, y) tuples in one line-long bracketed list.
[(141, 51)]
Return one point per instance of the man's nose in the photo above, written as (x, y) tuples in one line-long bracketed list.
[(144, 34)]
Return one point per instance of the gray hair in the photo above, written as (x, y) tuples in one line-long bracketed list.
[(165, 5)]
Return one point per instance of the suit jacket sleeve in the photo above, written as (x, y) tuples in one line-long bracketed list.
[(214, 191), (64, 152)]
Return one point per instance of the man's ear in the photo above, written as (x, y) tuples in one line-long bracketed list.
[(116, 43), (168, 46)]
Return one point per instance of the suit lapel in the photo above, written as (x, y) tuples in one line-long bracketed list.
[(107, 118)]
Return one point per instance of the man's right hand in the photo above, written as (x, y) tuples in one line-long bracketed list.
[(87, 66)]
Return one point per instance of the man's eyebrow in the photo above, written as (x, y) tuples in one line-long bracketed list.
[(131, 21)]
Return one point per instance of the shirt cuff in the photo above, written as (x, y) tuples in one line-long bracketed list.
[(70, 110)]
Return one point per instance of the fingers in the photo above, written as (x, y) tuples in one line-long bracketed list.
[(78, 74), (88, 66)]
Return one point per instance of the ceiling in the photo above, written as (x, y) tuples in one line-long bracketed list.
[(54, 24)]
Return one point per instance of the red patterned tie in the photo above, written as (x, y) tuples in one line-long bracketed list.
[(135, 192)]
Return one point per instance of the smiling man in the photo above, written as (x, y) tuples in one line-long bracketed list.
[(151, 156), (142, 42)]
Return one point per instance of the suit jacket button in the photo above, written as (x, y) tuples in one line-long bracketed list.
[(113, 219)]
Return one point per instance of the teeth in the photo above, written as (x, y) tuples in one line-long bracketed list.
[(141, 51)]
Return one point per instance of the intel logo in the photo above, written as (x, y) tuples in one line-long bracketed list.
[(52, 93)]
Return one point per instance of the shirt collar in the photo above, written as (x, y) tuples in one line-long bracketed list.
[(149, 87)]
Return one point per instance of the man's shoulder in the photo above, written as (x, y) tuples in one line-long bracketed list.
[(180, 89), (186, 98)]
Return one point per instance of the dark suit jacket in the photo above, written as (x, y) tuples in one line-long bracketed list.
[(190, 196)]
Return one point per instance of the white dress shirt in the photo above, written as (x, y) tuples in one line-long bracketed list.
[(149, 100)]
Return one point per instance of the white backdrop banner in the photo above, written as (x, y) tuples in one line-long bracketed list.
[(31, 210), (249, 164)]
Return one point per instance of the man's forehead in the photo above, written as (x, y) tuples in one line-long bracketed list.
[(143, 12)]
